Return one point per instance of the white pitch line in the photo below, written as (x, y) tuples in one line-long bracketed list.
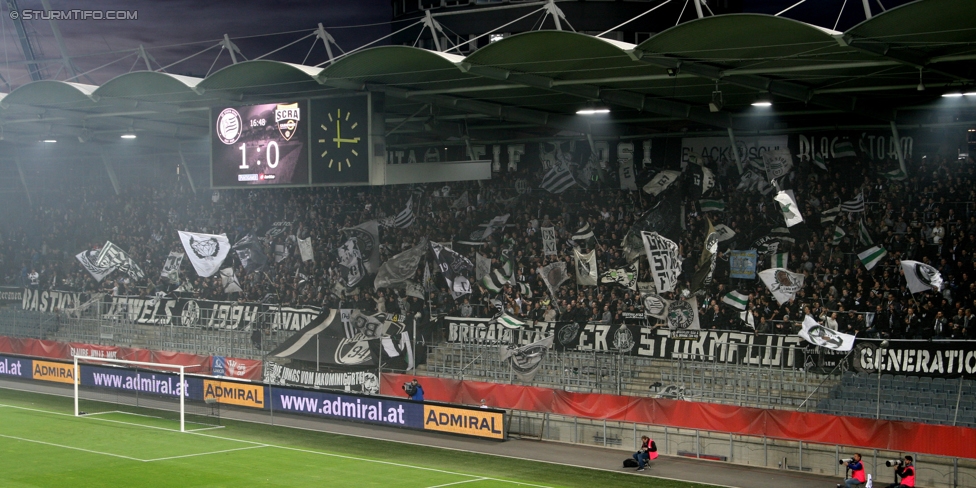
[(204, 453), (457, 483), (71, 447), (259, 444)]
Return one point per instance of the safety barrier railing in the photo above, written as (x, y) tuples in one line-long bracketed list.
[(784, 454)]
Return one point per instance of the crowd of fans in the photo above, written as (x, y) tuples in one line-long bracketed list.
[(927, 216)]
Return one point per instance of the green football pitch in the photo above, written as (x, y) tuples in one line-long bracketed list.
[(43, 445)]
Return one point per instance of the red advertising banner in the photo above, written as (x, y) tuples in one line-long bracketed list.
[(248, 369), (891, 435)]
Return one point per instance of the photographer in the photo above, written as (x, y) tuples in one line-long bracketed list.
[(858, 477), (414, 390), (904, 471)]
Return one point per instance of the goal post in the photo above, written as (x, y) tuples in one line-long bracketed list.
[(127, 365)]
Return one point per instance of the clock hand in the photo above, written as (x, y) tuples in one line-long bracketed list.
[(338, 138)]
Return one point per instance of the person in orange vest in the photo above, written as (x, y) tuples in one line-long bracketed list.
[(858, 477), (906, 473), (647, 452)]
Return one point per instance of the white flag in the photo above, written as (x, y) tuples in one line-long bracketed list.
[(586, 272), (921, 277), (787, 204), (525, 361), (171, 268), (778, 162), (736, 299), (627, 181), (206, 251), (819, 335), (280, 253), (683, 314), (724, 232), (781, 283), (779, 260), (229, 281), (482, 266), (548, 241), (661, 181), (665, 260), (305, 248), (87, 259)]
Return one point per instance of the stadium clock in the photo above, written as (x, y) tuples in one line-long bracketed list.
[(340, 140)]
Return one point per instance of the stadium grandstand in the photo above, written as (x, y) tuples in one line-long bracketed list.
[(749, 234)]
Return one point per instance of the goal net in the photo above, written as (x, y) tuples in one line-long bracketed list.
[(155, 394)]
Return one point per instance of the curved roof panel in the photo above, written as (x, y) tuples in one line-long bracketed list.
[(260, 76), (921, 23), (52, 93), (559, 54), (400, 65), (740, 37), (150, 85)]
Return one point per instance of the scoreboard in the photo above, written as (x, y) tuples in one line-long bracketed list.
[(295, 143)]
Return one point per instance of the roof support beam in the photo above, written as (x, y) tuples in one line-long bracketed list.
[(494, 110), (622, 98), (786, 89), (899, 54)]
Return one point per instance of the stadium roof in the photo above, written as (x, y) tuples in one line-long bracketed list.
[(530, 85)]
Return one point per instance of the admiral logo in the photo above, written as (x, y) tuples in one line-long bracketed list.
[(468, 422), (248, 177), (234, 393), (56, 372), (287, 117), (229, 126)]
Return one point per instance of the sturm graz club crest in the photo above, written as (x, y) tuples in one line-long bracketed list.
[(623, 339), (229, 126), (364, 241), (191, 313), (785, 282), (567, 334), (287, 117), (926, 274), (354, 351)]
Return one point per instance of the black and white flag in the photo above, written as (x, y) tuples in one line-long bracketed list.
[(664, 259), (455, 269), (782, 284), (682, 315), (305, 249), (367, 237), (706, 262), (586, 272), (584, 233), (112, 255), (482, 266), (626, 277), (553, 275), (525, 361), (206, 251), (88, 260), (400, 268), (558, 179), (404, 219), (280, 252), (351, 260), (921, 277), (548, 241), (779, 162), (171, 268), (249, 252), (495, 223), (853, 206), (229, 281), (626, 173), (787, 205), (661, 181)]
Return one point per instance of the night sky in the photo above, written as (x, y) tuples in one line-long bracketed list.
[(174, 29)]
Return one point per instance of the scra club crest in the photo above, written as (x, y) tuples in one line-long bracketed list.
[(287, 117)]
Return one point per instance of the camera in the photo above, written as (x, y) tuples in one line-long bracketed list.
[(893, 462), (848, 460), (408, 388)]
